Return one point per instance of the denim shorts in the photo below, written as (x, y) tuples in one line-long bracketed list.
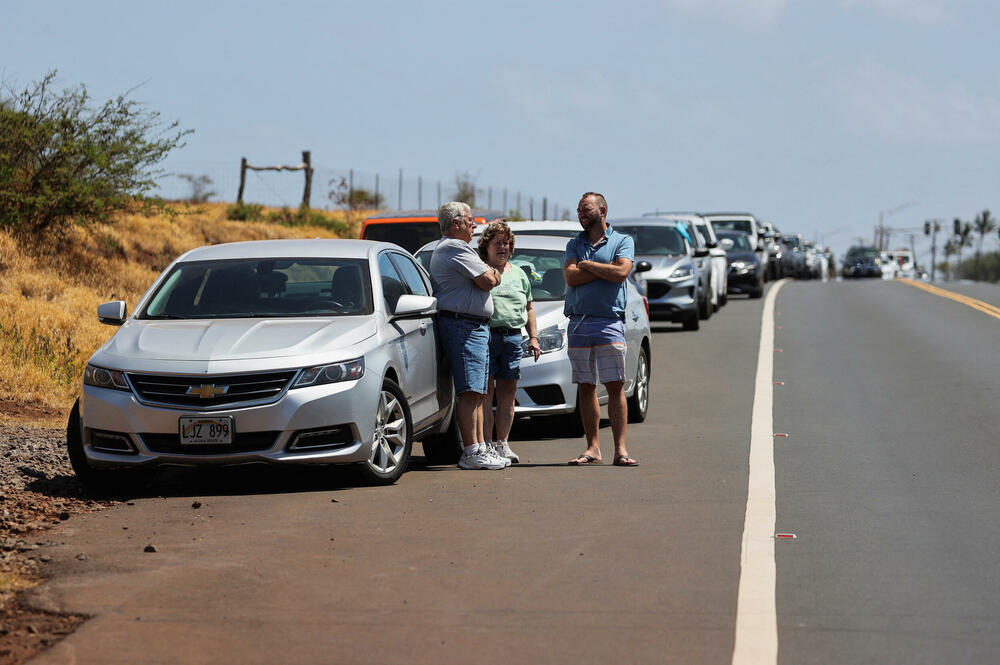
[(505, 355), (465, 345), (596, 349)]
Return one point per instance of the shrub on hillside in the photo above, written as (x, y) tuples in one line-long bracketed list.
[(63, 162), (245, 212)]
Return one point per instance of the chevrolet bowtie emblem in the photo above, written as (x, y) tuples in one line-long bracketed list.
[(207, 390)]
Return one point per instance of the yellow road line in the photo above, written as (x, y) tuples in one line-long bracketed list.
[(983, 307)]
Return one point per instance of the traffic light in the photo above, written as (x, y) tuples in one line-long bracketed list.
[(958, 227), (927, 228)]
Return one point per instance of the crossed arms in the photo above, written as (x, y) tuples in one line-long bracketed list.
[(578, 273)]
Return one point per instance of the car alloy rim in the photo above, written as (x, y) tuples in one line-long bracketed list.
[(642, 382), (390, 433)]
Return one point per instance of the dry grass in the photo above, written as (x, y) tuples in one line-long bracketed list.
[(49, 292)]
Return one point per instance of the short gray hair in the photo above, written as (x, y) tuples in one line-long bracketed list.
[(450, 211)]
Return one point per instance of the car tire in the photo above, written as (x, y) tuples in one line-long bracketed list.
[(691, 321), (392, 439), (99, 482), (570, 424), (757, 291), (705, 306), (444, 448), (638, 403)]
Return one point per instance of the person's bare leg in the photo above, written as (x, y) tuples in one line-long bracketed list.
[(505, 407), (488, 417), (469, 410), (590, 414), (618, 415)]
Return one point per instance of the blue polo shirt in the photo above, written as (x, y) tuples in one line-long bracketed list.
[(599, 297)]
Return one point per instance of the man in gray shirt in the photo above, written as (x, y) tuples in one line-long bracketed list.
[(462, 283)]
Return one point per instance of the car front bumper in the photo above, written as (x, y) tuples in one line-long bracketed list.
[(343, 412)]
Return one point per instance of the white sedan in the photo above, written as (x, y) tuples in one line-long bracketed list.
[(279, 351)]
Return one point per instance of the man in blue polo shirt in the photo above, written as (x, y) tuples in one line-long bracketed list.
[(597, 263)]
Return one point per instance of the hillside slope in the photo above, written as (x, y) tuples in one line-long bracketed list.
[(49, 292)]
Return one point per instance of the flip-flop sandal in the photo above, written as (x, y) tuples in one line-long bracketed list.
[(587, 459), (625, 460)]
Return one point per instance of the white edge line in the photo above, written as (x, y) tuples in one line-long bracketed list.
[(756, 613)]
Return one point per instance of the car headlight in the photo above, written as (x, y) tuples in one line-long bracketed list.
[(680, 273), (104, 378), (550, 339), (350, 370)]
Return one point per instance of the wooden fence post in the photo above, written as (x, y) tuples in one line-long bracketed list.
[(243, 179), (306, 159)]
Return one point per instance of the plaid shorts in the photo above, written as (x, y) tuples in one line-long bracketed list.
[(596, 349)]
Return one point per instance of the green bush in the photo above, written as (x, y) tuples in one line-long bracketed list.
[(306, 216), (63, 162), (245, 212)]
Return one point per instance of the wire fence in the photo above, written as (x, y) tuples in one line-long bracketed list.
[(333, 188)]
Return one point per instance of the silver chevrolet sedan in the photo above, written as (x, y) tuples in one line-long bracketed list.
[(279, 351), (546, 388)]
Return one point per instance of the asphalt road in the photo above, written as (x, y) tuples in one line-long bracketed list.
[(888, 478)]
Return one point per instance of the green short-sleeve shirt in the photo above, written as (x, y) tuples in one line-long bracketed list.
[(510, 299)]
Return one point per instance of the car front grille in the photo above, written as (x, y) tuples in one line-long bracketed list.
[(201, 392), (656, 290), (243, 442), (546, 395)]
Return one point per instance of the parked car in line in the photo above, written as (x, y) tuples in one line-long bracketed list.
[(772, 242), (862, 262), (793, 260), (277, 351), (746, 274), (673, 286), (546, 387), (415, 228), (560, 228), (720, 265), (897, 263), (741, 221), (689, 223)]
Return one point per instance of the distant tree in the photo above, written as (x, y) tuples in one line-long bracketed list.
[(358, 198), (64, 163), (984, 224), (465, 188), (514, 216), (199, 187), (950, 249), (963, 239)]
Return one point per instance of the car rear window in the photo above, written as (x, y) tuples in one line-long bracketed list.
[(411, 236), (655, 240)]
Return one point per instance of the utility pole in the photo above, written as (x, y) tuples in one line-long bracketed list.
[(931, 228)]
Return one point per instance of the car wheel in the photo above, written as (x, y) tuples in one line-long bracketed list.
[(99, 482), (705, 306), (570, 424), (638, 403), (758, 290), (691, 321), (393, 441), (444, 448)]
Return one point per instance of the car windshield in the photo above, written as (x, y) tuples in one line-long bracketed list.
[(737, 243), (253, 288), (744, 225), (862, 253), (790, 241), (655, 240)]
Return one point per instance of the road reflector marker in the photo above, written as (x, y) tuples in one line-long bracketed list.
[(779, 383), (781, 434), (786, 536)]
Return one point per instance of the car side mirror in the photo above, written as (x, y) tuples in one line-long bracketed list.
[(711, 244), (701, 252), (112, 313), (643, 266), (414, 307)]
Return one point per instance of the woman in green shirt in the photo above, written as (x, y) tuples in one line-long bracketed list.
[(512, 311)]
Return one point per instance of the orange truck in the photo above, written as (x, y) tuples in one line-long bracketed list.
[(412, 229)]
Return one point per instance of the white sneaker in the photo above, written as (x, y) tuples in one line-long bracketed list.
[(483, 458), (503, 449), (497, 450)]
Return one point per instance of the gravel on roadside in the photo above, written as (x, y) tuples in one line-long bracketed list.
[(37, 490)]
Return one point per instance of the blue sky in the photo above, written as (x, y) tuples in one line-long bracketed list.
[(814, 115)]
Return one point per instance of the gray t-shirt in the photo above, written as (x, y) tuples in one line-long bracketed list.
[(454, 265)]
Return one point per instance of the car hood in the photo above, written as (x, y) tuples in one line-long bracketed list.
[(662, 265), (549, 313), (742, 256), (149, 344)]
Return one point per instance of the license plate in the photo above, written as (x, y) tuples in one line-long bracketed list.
[(201, 431)]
